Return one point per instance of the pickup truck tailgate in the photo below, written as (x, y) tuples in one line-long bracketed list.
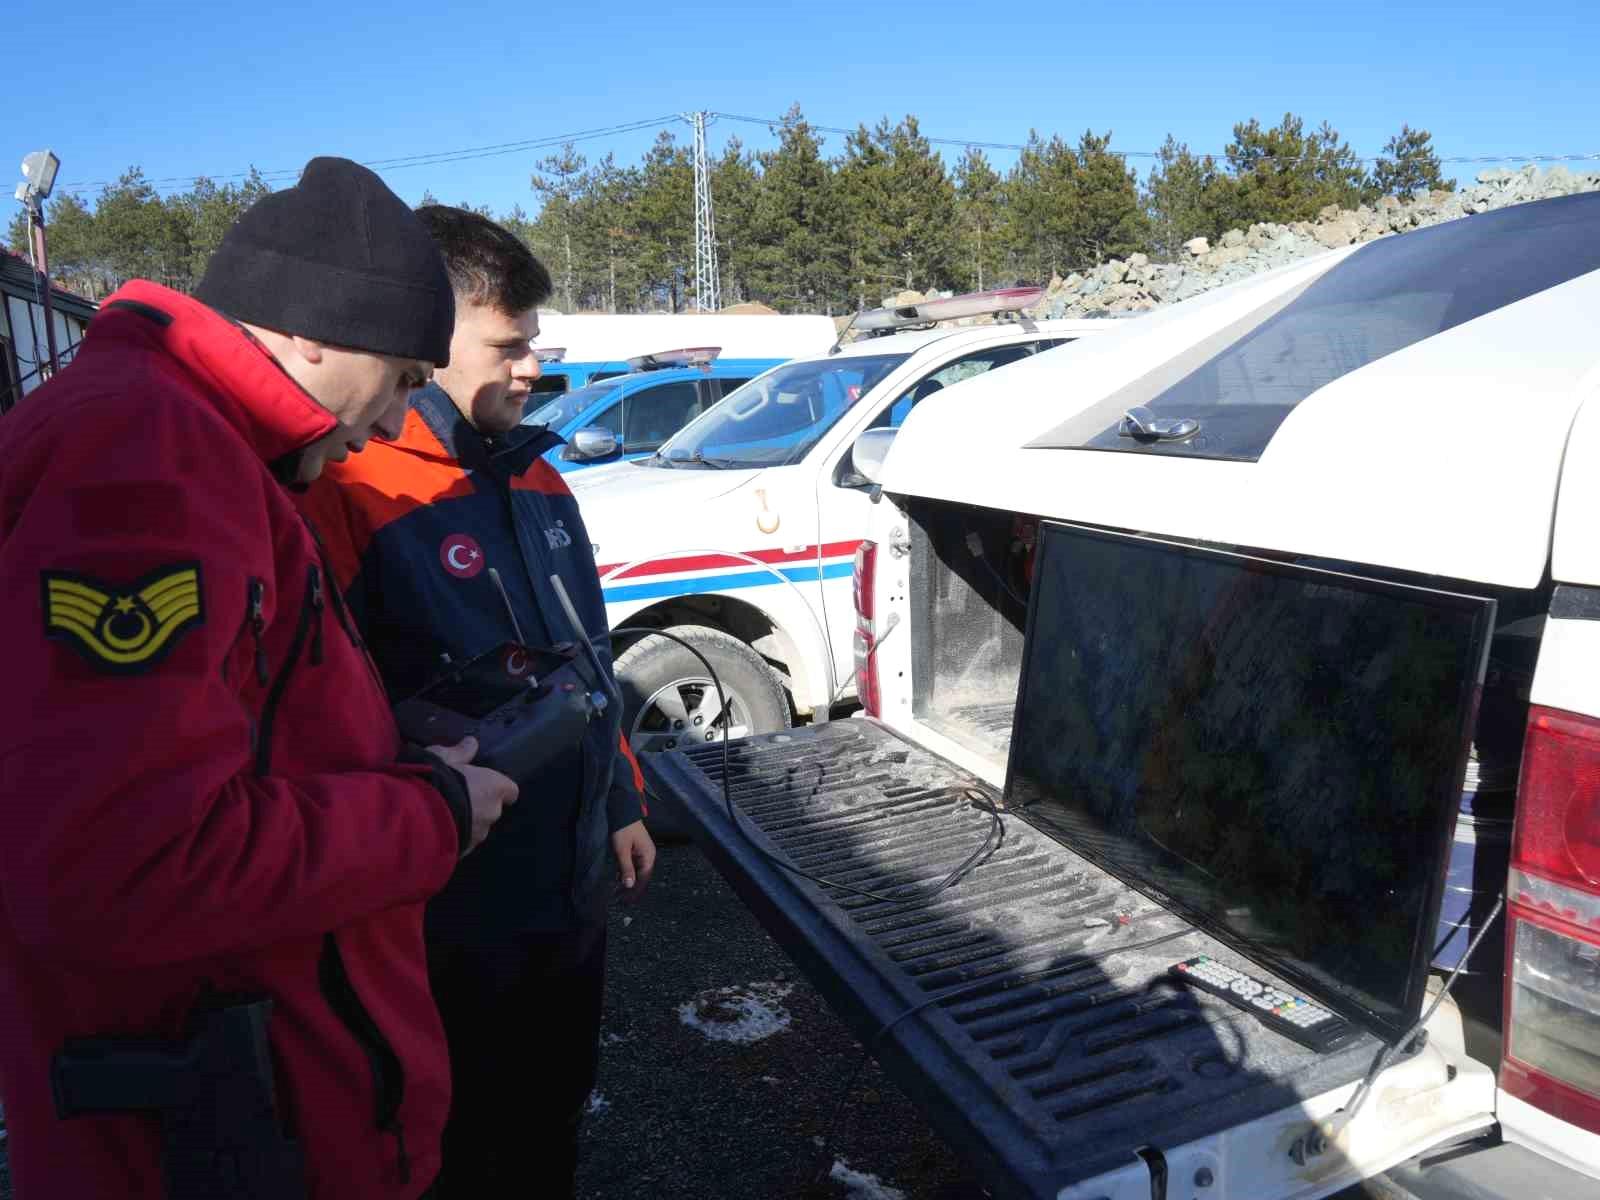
[(1023, 1008)]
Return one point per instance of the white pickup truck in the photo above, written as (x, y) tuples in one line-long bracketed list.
[(1417, 415), (738, 534)]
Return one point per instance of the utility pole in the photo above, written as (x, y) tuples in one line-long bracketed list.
[(38, 178), (707, 286)]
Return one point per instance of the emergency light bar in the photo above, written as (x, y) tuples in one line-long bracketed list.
[(549, 354), (693, 356), (973, 304)]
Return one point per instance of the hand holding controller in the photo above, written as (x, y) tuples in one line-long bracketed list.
[(490, 792)]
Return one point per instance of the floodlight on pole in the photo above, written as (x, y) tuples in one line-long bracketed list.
[(38, 177)]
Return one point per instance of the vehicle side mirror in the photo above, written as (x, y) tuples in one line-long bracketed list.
[(590, 444), (867, 455)]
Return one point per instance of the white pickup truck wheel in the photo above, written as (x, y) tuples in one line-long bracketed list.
[(669, 701)]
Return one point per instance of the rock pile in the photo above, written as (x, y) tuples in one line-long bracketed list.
[(1117, 287)]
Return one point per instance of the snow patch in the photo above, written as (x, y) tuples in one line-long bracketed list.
[(743, 1013), (860, 1186)]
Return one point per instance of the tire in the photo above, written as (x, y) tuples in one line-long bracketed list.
[(668, 702)]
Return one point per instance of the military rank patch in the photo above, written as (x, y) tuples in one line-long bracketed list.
[(123, 630)]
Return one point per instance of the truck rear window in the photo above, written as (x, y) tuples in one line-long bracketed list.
[(1384, 297)]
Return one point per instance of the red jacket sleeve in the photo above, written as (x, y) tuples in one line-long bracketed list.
[(132, 829)]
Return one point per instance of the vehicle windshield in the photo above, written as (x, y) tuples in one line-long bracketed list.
[(565, 407), (775, 419)]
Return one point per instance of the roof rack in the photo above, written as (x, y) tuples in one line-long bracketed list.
[(692, 356), (929, 312)]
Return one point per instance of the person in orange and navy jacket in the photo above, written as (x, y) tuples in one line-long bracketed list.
[(202, 789), (444, 541)]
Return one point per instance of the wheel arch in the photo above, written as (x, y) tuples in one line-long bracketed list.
[(793, 655)]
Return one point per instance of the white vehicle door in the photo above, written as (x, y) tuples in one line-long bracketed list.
[(843, 506)]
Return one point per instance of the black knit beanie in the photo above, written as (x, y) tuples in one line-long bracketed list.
[(338, 258)]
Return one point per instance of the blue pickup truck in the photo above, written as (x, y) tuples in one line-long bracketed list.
[(626, 416)]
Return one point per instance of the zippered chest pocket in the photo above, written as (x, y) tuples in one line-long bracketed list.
[(261, 660)]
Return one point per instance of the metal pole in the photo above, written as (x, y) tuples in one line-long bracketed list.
[(707, 285), (41, 259)]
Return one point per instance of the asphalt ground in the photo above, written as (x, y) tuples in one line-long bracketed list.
[(678, 1113)]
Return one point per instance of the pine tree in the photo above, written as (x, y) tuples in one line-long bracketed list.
[(799, 224), (136, 235), (608, 221), (1285, 174), (209, 211), (1107, 219), (1181, 198), (861, 183), (980, 215), (1408, 166), (734, 186), (557, 178), (899, 205), (665, 215), (1041, 197)]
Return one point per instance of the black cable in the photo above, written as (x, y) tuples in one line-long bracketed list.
[(977, 800), (993, 838), (1315, 1140), (1000, 580), (870, 1047)]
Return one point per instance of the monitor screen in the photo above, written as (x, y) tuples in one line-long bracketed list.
[(1276, 752)]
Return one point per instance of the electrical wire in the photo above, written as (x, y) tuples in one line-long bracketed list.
[(433, 158), (773, 122), (33, 329), (871, 1045), (974, 798), (994, 835), (470, 153), (618, 570), (1310, 1144), (1315, 1140)]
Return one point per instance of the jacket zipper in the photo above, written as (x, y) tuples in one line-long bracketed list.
[(253, 626), (341, 611), (311, 609), (316, 609), (388, 1073)]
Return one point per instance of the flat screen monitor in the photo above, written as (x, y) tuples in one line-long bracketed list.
[(1276, 752)]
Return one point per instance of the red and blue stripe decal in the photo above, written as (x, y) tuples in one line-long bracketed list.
[(810, 564)]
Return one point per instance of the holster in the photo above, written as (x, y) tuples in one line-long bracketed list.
[(213, 1093)]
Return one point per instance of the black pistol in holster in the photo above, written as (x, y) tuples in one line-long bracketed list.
[(221, 1137)]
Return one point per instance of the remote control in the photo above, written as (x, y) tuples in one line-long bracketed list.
[(1293, 1016)]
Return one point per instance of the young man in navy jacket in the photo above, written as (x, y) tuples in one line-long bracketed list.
[(444, 540)]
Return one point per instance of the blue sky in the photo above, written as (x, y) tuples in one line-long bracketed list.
[(188, 88)]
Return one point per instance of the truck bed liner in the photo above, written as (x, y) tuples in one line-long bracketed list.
[(1047, 1046)]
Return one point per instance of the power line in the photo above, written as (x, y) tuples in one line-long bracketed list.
[(470, 153), (772, 122), (433, 158)]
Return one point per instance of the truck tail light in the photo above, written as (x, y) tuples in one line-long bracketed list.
[(1552, 1054), (863, 577)]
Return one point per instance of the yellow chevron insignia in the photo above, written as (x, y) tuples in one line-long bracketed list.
[(123, 629)]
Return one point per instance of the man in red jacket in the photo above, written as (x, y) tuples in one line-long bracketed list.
[(202, 790)]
